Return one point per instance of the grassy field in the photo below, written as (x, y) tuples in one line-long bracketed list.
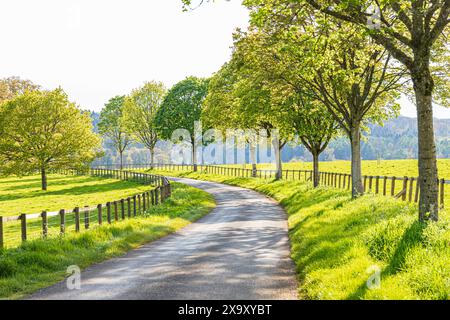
[(23, 194), (338, 244), (398, 168), (37, 264)]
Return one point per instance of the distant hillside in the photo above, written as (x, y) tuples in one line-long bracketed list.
[(397, 139)]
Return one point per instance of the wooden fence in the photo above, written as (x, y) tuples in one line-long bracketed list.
[(404, 188), (16, 229)]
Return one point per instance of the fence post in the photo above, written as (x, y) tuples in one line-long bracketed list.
[(416, 197), (377, 184), (77, 219), (108, 212), (116, 213), (384, 185), (129, 207), (23, 220), (122, 208), (144, 201), (411, 186), (156, 196), (62, 216), (44, 224), (86, 217), (442, 193), (134, 206), (393, 186), (139, 204), (100, 214), (2, 243), (405, 188)]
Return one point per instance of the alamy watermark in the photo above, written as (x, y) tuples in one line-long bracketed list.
[(374, 281), (374, 17), (73, 281), (214, 146)]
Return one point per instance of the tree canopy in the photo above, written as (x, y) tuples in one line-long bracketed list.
[(139, 114), (13, 86), (43, 130), (416, 34), (181, 109), (112, 126)]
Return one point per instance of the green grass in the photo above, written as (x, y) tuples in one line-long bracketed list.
[(336, 241), (40, 263), (24, 195), (398, 168)]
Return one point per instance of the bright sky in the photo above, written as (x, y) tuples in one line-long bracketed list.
[(95, 49)]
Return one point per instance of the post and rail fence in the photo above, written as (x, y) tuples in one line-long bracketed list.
[(23, 227), (404, 188)]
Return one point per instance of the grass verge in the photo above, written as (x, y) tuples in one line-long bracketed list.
[(339, 244), (40, 263)]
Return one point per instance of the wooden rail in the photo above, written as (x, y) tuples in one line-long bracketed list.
[(404, 188), (58, 220)]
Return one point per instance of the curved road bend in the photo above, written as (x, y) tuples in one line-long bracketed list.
[(239, 251)]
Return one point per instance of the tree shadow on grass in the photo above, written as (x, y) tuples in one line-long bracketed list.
[(23, 179), (297, 202), (412, 237), (327, 227), (75, 191), (52, 182)]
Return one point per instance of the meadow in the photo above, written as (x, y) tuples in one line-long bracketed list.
[(338, 243), (390, 168), (24, 195)]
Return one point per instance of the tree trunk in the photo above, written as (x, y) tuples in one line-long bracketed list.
[(277, 148), (428, 172), (355, 139), (152, 158), (316, 174), (121, 160), (253, 158), (44, 179), (194, 157)]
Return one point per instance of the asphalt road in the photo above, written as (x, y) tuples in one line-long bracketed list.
[(239, 251)]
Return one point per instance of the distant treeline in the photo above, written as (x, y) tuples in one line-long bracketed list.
[(397, 139)]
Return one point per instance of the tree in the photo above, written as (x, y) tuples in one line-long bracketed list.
[(293, 107), (111, 126), (13, 86), (42, 130), (415, 32), (313, 125), (181, 109), (350, 75), (223, 108), (139, 114)]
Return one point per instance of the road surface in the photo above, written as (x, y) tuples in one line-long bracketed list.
[(239, 251)]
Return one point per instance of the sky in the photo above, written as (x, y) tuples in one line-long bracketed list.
[(96, 49)]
